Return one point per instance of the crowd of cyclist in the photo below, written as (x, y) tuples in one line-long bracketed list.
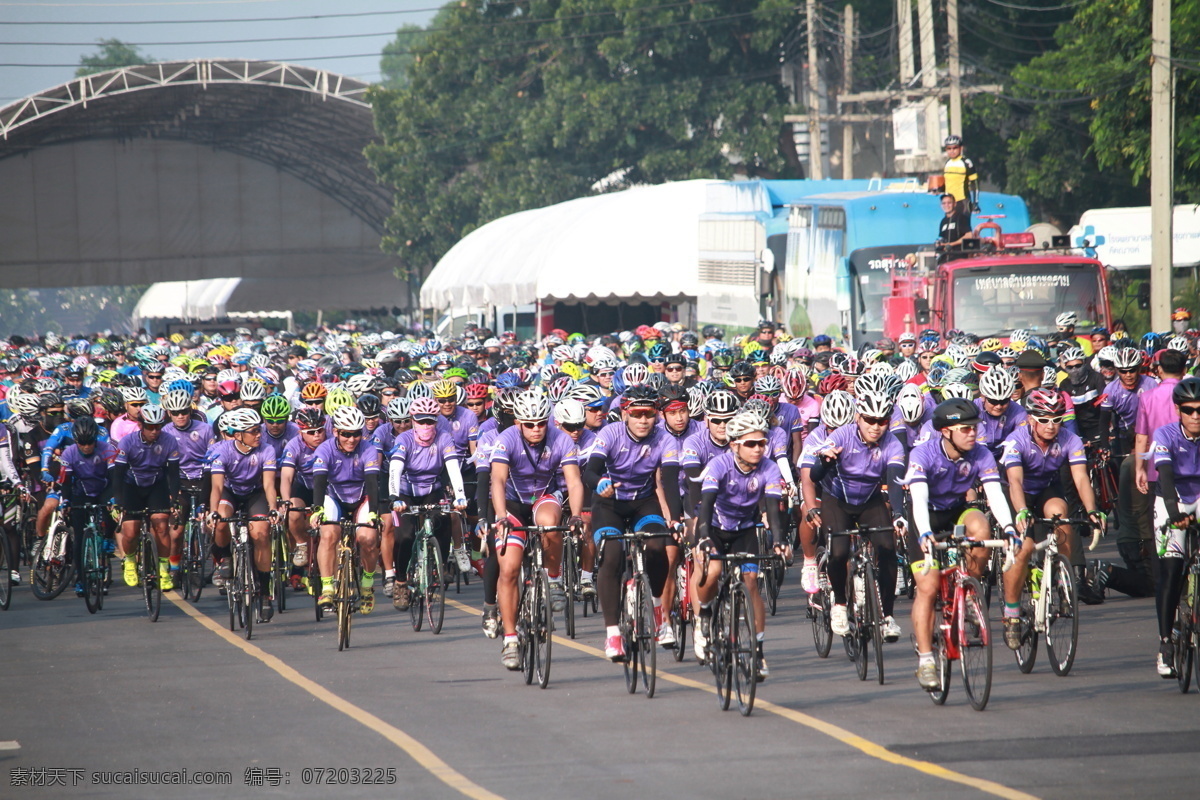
[(659, 429)]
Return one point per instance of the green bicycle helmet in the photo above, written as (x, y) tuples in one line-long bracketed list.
[(276, 408)]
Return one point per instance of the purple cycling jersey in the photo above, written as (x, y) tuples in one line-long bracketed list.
[(193, 442), (692, 426), (290, 431), (861, 468), (532, 470), (582, 448), (992, 431), (629, 462), (738, 492), (384, 439), (779, 442), (812, 444), (147, 462), (347, 472), (300, 457), (489, 424), (1041, 466), (948, 481), (1170, 445), (699, 449), (89, 473), (243, 471), (423, 465), (483, 448), (1124, 402), (463, 428), (789, 418)]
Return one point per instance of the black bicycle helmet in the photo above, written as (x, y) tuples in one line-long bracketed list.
[(642, 396), (85, 431), (955, 411), (741, 370), (1186, 391), (112, 402), (671, 393)]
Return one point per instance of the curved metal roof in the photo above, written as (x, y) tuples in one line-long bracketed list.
[(308, 122)]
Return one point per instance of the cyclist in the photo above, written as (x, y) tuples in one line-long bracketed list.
[(837, 410), (84, 476), (735, 483), (622, 469), (419, 459), (346, 486), (463, 427), (1033, 457), (999, 416), (851, 466), (278, 431), (146, 478), (1175, 449), (526, 460), (243, 482), (296, 483), (135, 399), (229, 397), (941, 472), (193, 436), (384, 437), (502, 419), (570, 416)]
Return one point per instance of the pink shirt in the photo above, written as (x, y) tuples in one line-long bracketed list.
[(121, 427), (1155, 409)]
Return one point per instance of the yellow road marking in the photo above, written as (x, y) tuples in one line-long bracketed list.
[(841, 734), (417, 751)]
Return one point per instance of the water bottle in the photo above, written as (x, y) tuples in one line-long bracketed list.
[(629, 599), (1035, 580), (860, 590)]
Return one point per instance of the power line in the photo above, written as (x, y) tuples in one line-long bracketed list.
[(1016, 7)]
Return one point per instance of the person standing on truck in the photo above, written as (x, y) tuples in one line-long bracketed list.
[(955, 226), (961, 179)]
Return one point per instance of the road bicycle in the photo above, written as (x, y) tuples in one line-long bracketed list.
[(94, 564), (347, 572), (52, 559), (426, 582), (1185, 634), (197, 547), (242, 593), (639, 631), (864, 607), (535, 616), (960, 620), (146, 552)]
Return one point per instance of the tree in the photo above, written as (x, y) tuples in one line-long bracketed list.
[(113, 53), (513, 105), (398, 56)]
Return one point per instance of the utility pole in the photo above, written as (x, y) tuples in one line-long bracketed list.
[(816, 170), (929, 80), (847, 88), (904, 19), (955, 68), (1162, 178)]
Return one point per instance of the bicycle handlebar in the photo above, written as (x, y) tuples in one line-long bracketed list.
[(1055, 521), (863, 531)]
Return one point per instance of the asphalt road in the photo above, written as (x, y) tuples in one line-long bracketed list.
[(112, 693)]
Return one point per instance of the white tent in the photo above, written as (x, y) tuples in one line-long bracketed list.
[(638, 245), (185, 300)]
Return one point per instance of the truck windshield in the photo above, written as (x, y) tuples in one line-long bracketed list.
[(999, 299)]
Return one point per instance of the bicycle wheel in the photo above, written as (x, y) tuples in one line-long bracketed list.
[(314, 581), (279, 568), (525, 628), (1062, 619), (191, 565), (722, 661), (233, 596), (627, 622), (940, 659), (541, 629), (680, 612), (770, 589), (250, 594), (874, 636), (647, 636), (818, 608), (416, 586), (5, 573), (1027, 653), (974, 644), (744, 648), (93, 580), (435, 589), (52, 567), (570, 577), (858, 614), (344, 596), (1183, 634), (151, 590)]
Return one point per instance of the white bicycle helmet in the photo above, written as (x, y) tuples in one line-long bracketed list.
[(418, 390), (562, 353), (956, 390), (996, 385), (177, 400), (359, 385), (133, 394), (872, 404), (1071, 354), (1179, 343), (252, 391), (586, 393), (397, 410), (906, 371), (531, 406), (1067, 319), (153, 414), (768, 385), (1127, 358), (25, 403), (910, 403), (568, 412), (348, 418), (837, 409), (240, 419), (745, 422), (1049, 378), (721, 405), (636, 374)]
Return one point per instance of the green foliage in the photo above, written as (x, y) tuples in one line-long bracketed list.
[(113, 53), (82, 309), (509, 106)]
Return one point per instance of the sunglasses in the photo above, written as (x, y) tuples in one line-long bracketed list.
[(643, 413), (424, 421), (604, 374), (1047, 420), (350, 434), (135, 405), (675, 368), (534, 425), (475, 404), (1129, 371), (962, 428), (255, 431), (753, 443), (313, 431), (184, 413), (1189, 411), (997, 403), (743, 380), (311, 402), (875, 420), (572, 427), (229, 398), (447, 401), (152, 427), (658, 361)]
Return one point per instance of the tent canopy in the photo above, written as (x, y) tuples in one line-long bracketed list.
[(637, 245)]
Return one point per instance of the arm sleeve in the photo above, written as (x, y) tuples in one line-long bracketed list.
[(594, 471), (785, 470), (919, 494), (173, 478), (671, 491), (372, 487), (456, 481), (118, 482), (693, 486), (819, 469), (1166, 486), (320, 483), (483, 495), (1105, 426), (395, 470), (774, 521), (997, 502), (7, 468), (895, 475), (708, 501)]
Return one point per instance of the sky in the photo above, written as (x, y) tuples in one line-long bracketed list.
[(53, 34)]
